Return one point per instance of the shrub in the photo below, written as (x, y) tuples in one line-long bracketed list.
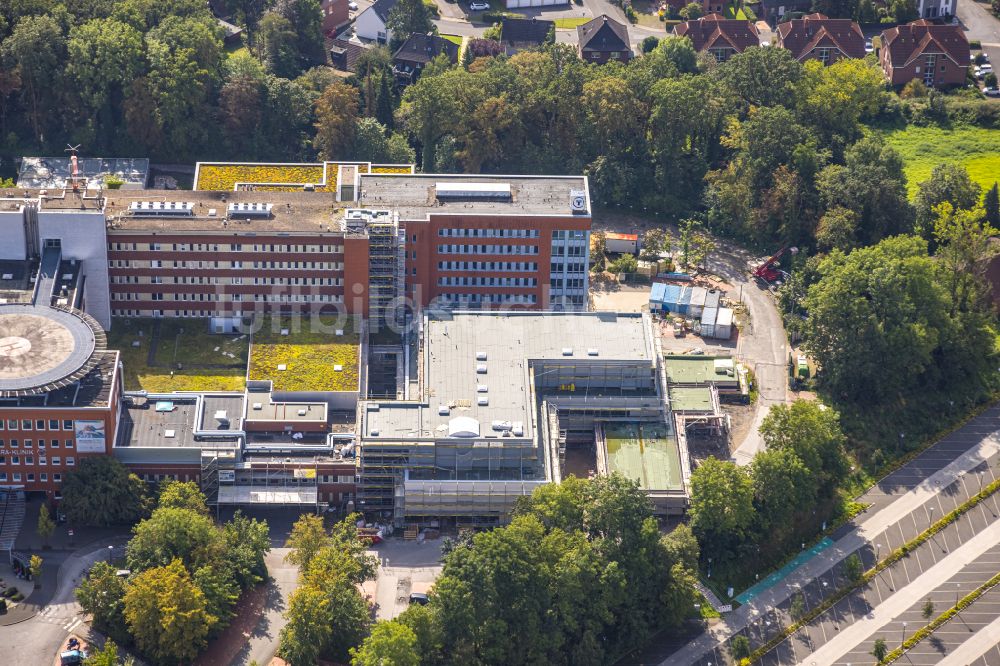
[(113, 183), (975, 44), (3, 606)]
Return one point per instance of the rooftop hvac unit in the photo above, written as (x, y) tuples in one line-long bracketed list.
[(592, 352), (443, 410), (567, 351), (480, 356), (518, 429), (161, 208), (249, 209), (481, 388), (578, 201), (481, 369), (483, 400)]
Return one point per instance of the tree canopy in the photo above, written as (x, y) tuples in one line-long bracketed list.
[(101, 491)]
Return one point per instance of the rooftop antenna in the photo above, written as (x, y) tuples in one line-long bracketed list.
[(75, 177)]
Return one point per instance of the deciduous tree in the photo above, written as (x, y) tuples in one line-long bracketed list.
[(336, 115), (101, 491), (390, 643), (721, 506)]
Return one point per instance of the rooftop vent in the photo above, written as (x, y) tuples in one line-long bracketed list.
[(481, 388), (467, 190), (480, 356), (483, 400), (258, 406), (567, 351), (443, 410), (249, 210), (161, 208), (592, 351), (481, 369)]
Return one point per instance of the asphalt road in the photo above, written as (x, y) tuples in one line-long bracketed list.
[(980, 24)]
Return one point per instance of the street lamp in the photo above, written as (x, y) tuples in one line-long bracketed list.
[(957, 588), (903, 639), (878, 548), (930, 518), (710, 567), (111, 550)]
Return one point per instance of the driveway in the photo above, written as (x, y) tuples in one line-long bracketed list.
[(980, 24)]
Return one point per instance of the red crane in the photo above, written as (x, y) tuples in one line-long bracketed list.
[(770, 270)]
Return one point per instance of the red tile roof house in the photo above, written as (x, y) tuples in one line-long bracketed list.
[(721, 37), (816, 37), (938, 55)]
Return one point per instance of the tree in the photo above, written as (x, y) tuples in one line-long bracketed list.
[(836, 8), (691, 11), (991, 206), (810, 430), (35, 50), (878, 322), (624, 265), (598, 249), (389, 644), (721, 506), (797, 609), (175, 534), (903, 11), (101, 491), (837, 230), (914, 89), (655, 243), (306, 19), (182, 495), (247, 541), (739, 647), (853, 568), (46, 526), (990, 80), (308, 537), (280, 51), (782, 485), (763, 77), (834, 99), (309, 628), (35, 567), (166, 614), (102, 595), (928, 610), (106, 656), (879, 649), (648, 43), (947, 183), (336, 114), (867, 12), (965, 249), (406, 18)]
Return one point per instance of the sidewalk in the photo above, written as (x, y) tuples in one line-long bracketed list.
[(856, 538)]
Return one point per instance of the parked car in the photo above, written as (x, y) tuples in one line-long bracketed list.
[(985, 68), (353, 6), (479, 6), (991, 92), (869, 48)]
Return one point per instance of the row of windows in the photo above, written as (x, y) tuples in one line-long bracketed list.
[(522, 299), (488, 249), (571, 251), (186, 279), (231, 298), (43, 477), (486, 282), (339, 478), (524, 266), (568, 267), (234, 265), (42, 460), (53, 443), (570, 283), (488, 233), (39, 424), (569, 234), (215, 247)]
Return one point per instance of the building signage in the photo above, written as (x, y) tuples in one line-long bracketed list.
[(90, 436), (227, 476)]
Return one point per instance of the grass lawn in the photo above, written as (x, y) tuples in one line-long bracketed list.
[(309, 356), (182, 341), (570, 23), (923, 148), (454, 39)]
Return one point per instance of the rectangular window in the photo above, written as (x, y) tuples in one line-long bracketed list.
[(53, 424), (17, 476), (56, 460), (57, 478), (31, 476), (69, 443), (44, 477), (11, 424), (25, 424), (70, 461), (40, 424), (67, 425)]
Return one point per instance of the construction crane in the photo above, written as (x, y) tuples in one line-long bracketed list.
[(770, 270)]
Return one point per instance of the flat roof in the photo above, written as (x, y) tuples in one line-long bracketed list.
[(415, 197), (454, 343), (698, 370), (57, 171), (286, 412), (644, 452), (316, 212), (691, 399), (306, 353), (170, 421)]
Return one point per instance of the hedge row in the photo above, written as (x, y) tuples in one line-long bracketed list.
[(927, 630), (891, 559)]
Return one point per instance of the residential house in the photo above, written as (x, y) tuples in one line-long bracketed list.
[(371, 23), (721, 37), (604, 39), (938, 55), (418, 50), (936, 8), (344, 53), (816, 37), (335, 14), (518, 34)]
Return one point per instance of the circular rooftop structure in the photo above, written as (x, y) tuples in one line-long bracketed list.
[(45, 348)]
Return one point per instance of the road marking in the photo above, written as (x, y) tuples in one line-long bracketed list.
[(903, 599), (975, 647)]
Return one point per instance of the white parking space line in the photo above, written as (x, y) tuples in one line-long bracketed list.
[(977, 645)]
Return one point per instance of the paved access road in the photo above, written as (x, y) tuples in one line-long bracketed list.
[(979, 23), (903, 505)]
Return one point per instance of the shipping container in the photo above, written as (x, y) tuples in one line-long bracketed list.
[(724, 324), (697, 303), (708, 318)]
